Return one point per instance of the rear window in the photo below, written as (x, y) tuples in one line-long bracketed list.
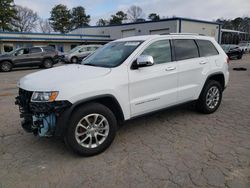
[(49, 49), (185, 49), (35, 50), (206, 48)]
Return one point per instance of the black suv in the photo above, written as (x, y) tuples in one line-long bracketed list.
[(44, 57), (233, 51)]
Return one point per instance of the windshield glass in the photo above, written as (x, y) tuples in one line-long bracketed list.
[(75, 49), (112, 54), (13, 51)]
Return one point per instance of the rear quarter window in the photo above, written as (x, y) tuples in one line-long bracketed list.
[(35, 50), (49, 49), (206, 48), (185, 49)]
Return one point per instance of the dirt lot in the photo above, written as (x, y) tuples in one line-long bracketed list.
[(175, 148)]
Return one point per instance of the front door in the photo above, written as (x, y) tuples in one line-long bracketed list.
[(21, 57), (154, 87)]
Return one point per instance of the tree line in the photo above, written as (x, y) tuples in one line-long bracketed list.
[(62, 19)]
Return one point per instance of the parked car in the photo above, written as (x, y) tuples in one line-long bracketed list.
[(245, 46), (126, 78), (26, 57), (78, 53), (233, 51)]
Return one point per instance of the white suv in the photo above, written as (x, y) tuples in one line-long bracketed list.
[(130, 77)]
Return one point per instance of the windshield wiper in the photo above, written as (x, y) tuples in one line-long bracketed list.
[(94, 65), (90, 64)]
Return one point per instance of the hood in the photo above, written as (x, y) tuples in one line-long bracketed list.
[(4, 55), (53, 79)]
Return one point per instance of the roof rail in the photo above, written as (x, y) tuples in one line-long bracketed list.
[(197, 34), (184, 34)]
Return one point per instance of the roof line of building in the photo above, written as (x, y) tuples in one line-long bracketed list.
[(161, 20), (54, 39), (55, 34)]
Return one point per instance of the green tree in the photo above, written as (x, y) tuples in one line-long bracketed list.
[(153, 17), (7, 14), (237, 23), (79, 17), (102, 22), (118, 18), (60, 18)]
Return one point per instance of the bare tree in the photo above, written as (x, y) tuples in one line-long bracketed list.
[(44, 26), (26, 19), (135, 13)]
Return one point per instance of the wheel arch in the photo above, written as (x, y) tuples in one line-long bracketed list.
[(8, 60), (217, 76), (50, 58), (107, 100)]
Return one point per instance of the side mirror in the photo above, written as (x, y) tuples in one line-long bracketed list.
[(143, 61)]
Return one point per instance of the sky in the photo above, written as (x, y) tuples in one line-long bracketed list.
[(198, 9)]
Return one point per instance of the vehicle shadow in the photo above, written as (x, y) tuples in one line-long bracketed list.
[(59, 147)]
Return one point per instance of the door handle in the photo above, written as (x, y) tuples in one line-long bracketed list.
[(203, 62), (170, 68)]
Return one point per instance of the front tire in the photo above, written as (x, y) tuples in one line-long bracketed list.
[(6, 66), (91, 130), (210, 97), (239, 56), (74, 60)]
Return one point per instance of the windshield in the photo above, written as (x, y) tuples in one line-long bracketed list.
[(112, 54), (75, 49), (13, 51)]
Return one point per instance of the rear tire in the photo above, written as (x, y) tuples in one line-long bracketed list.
[(47, 63), (6, 66), (210, 97), (91, 130)]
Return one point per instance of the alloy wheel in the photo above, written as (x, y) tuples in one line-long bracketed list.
[(92, 130), (212, 97)]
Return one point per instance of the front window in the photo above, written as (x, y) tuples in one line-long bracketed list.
[(112, 54), (160, 51)]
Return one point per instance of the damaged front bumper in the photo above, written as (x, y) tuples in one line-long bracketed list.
[(39, 117)]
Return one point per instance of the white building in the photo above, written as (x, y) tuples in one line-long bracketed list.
[(62, 42), (164, 26)]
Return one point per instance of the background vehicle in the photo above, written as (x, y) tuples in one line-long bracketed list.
[(232, 51), (126, 78), (78, 53), (44, 57), (245, 46)]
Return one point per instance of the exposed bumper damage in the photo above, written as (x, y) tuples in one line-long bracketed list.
[(39, 117)]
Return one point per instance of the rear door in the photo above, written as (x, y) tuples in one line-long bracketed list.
[(35, 55), (154, 87), (192, 69)]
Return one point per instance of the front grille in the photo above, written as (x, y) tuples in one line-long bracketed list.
[(23, 100)]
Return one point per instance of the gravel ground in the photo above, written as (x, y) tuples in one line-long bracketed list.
[(174, 148)]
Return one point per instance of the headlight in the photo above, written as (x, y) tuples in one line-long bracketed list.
[(39, 96)]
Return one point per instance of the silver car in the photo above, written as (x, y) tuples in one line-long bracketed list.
[(78, 53)]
